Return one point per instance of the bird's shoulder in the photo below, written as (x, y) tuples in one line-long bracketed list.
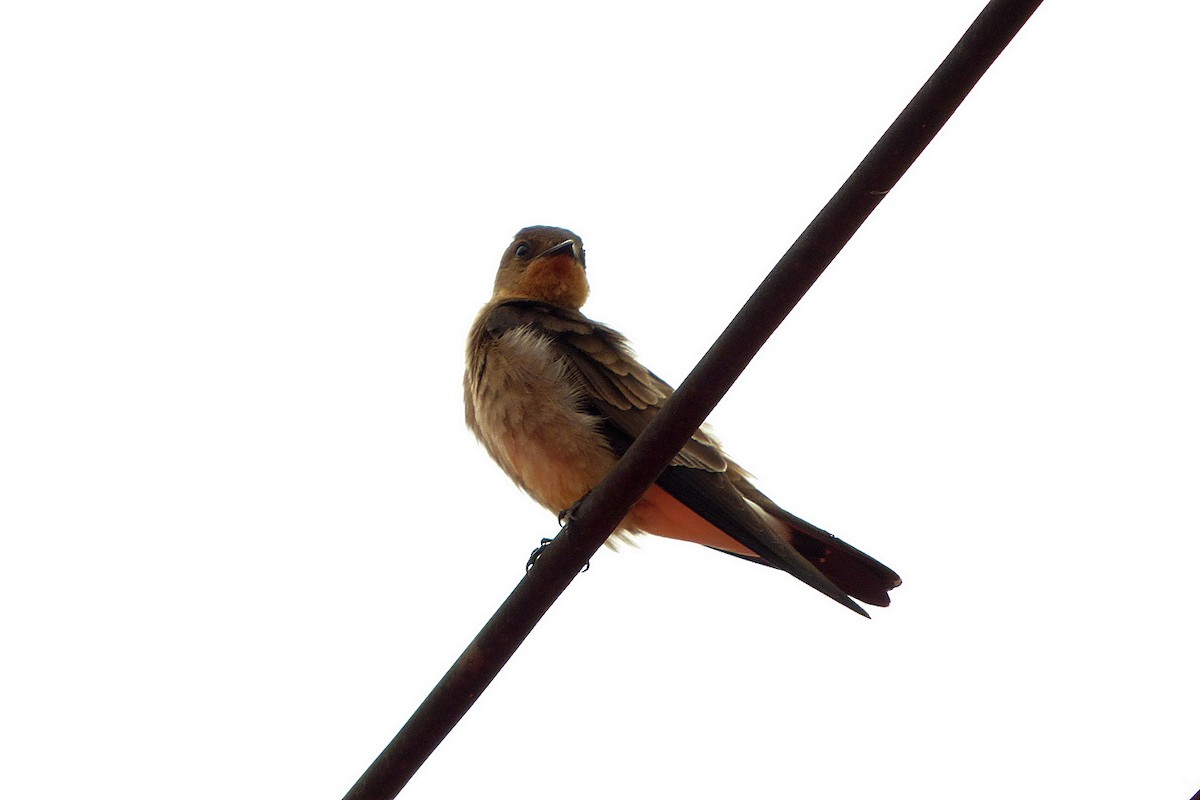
[(599, 355)]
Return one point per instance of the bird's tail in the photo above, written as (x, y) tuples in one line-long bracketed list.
[(726, 512), (847, 567)]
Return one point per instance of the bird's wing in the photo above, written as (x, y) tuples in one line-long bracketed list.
[(626, 396), (624, 392)]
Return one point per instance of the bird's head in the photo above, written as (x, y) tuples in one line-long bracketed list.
[(546, 264)]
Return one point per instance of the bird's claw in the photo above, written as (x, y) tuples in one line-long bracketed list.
[(537, 553), (567, 514)]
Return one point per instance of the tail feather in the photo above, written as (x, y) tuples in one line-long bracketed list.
[(847, 567), (850, 569)]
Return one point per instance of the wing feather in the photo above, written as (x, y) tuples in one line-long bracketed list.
[(626, 394)]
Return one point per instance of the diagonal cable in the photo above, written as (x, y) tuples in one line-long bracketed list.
[(601, 511)]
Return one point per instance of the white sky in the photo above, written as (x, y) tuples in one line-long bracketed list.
[(245, 530)]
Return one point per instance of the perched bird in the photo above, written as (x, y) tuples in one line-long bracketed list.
[(557, 398)]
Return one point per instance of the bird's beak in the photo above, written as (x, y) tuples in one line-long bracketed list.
[(569, 244)]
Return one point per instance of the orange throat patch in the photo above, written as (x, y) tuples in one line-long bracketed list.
[(558, 279)]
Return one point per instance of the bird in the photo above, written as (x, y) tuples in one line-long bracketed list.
[(556, 398)]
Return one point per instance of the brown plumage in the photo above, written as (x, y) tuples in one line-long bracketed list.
[(556, 398)]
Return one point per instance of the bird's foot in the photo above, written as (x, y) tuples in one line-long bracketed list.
[(567, 514), (537, 553), (564, 520)]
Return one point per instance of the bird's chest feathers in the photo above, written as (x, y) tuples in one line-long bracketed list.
[(529, 415)]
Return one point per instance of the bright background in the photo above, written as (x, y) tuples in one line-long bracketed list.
[(245, 530)]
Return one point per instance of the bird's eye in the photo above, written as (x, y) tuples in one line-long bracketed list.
[(522, 250)]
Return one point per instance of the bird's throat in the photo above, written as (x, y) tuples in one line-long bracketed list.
[(559, 279)]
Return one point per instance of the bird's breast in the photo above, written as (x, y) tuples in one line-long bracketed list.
[(528, 410)]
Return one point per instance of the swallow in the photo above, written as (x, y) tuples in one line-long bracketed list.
[(556, 398)]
